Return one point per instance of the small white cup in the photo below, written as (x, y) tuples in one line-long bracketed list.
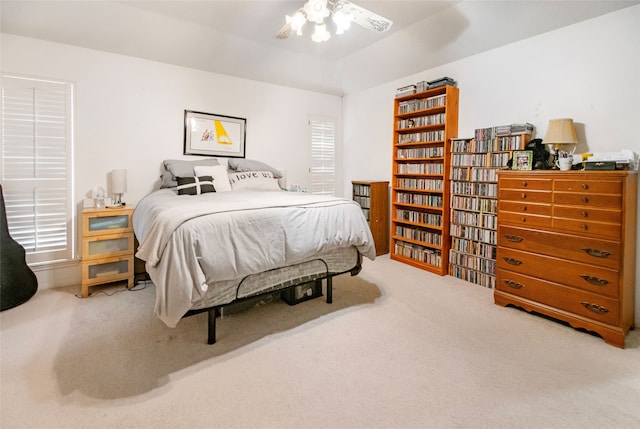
[(565, 164)]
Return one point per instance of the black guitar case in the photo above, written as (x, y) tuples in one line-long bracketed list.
[(17, 282)]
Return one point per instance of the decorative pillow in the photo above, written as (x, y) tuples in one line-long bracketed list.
[(219, 174), (254, 180), (195, 185), (251, 165), (174, 168)]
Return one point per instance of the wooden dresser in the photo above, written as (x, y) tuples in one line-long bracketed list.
[(566, 247)]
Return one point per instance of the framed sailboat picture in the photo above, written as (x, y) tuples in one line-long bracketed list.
[(214, 135)]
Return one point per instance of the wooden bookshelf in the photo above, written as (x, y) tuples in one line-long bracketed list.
[(423, 124), (373, 198), (474, 201)]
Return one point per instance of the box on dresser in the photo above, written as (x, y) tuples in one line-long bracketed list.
[(566, 247)]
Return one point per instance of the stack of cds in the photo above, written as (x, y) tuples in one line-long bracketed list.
[(443, 81), (405, 90)]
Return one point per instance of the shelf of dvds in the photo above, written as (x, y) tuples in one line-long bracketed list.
[(423, 124), (474, 199), (373, 198)]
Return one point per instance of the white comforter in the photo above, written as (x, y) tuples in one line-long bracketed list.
[(191, 242)]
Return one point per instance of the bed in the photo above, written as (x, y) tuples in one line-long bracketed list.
[(207, 243)]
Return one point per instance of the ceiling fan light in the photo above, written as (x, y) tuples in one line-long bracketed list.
[(342, 21), (320, 34), (296, 21), (316, 10)]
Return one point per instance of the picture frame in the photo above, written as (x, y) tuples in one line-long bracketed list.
[(210, 134), (522, 160)]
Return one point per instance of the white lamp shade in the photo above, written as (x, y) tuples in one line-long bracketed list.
[(119, 181)]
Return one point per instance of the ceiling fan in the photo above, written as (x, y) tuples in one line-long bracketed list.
[(342, 12)]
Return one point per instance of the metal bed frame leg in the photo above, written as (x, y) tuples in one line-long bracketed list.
[(212, 314), (329, 290)]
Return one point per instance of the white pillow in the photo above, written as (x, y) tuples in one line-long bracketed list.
[(254, 180), (219, 174)]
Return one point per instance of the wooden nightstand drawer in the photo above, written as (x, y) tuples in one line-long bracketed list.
[(587, 250), (583, 276), (102, 246), (524, 196), (109, 221), (574, 301), (107, 270)]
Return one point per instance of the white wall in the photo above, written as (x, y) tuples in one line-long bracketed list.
[(589, 72), (129, 114)]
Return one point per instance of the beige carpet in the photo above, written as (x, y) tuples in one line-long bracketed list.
[(398, 348)]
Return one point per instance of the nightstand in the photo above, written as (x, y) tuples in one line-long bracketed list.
[(107, 247)]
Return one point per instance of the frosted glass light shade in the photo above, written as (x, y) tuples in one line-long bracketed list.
[(119, 181)]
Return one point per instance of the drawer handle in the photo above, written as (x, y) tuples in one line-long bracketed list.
[(594, 280), (524, 184), (584, 214), (524, 208), (597, 253), (585, 199), (512, 261), (595, 308), (513, 238), (513, 284), (584, 227), (523, 195), (585, 186), (523, 219)]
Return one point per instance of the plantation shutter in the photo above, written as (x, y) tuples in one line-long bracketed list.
[(323, 163), (36, 166)]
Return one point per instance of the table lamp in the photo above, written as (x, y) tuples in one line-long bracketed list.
[(118, 185), (561, 136)]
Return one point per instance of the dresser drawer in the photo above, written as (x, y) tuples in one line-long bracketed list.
[(608, 201), (588, 186), (99, 222), (612, 230), (593, 306), (522, 195), (522, 219), (525, 208), (588, 213), (594, 279), (526, 183), (102, 246), (588, 250), (106, 270)]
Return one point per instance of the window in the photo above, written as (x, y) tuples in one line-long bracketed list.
[(36, 166), (323, 161)]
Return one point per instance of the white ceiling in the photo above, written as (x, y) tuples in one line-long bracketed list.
[(237, 37)]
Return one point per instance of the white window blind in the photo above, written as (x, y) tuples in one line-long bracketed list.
[(323, 162), (36, 163)]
